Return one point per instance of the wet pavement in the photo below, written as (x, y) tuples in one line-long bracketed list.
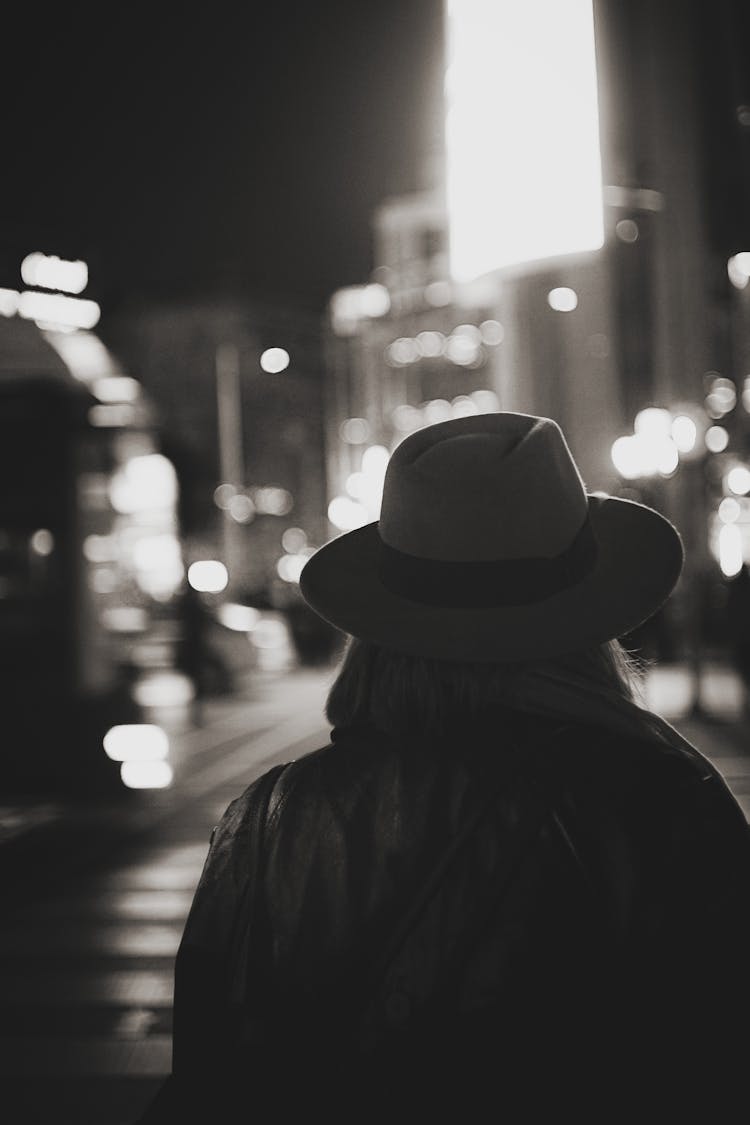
[(88, 943), (94, 916)]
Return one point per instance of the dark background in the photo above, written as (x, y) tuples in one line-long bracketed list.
[(225, 148)]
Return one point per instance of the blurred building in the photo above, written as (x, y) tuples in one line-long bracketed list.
[(89, 558), (240, 389)]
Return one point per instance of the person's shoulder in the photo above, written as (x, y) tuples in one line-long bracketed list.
[(635, 763), (633, 751), (668, 782)]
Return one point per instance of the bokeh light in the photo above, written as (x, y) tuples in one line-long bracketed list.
[(136, 742), (684, 433), (294, 540), (355, 431), (146, 775), (738, 480), (42, 542), (738, 269), (208, 576), (729, 510), (562, 299), (347, 514), (730, 550), (717, 439), (274, 360)]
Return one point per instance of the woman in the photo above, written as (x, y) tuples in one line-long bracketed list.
[(504, 887)]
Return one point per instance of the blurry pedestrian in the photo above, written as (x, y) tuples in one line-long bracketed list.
[(197, 655), (504, 888), (738, 628)]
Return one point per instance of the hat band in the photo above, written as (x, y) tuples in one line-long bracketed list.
[(475, 584)]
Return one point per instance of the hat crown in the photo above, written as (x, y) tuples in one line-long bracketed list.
[(486, 487)]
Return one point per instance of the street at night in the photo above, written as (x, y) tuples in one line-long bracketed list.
[(88, 959), (371, 375)]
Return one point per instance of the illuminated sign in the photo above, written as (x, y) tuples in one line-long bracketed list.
[(522, 133)]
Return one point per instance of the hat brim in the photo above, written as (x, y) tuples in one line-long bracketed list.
[(638, 562)]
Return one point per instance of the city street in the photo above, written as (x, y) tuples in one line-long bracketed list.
[(88, 957), (86, 977), (428, 320)]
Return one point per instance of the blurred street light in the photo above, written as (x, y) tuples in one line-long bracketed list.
[(738, 269), (562, 299), (637, 456), (274, 360), (208, 576)]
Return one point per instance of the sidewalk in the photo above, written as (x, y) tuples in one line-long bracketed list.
[(39, 833)]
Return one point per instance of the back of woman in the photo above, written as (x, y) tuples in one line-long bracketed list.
[(527, 893), (504, 887)]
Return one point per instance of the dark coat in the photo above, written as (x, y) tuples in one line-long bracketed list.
[(588, 937)]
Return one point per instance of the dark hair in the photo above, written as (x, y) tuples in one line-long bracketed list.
[(404, 694)]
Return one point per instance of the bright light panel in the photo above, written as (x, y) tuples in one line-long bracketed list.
[(524, 178)]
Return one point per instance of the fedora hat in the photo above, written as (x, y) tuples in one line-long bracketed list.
[(489, 548)]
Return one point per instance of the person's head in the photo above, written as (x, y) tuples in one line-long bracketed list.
[(490, 552)]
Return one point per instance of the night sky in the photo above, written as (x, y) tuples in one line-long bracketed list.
[(235, 149)]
